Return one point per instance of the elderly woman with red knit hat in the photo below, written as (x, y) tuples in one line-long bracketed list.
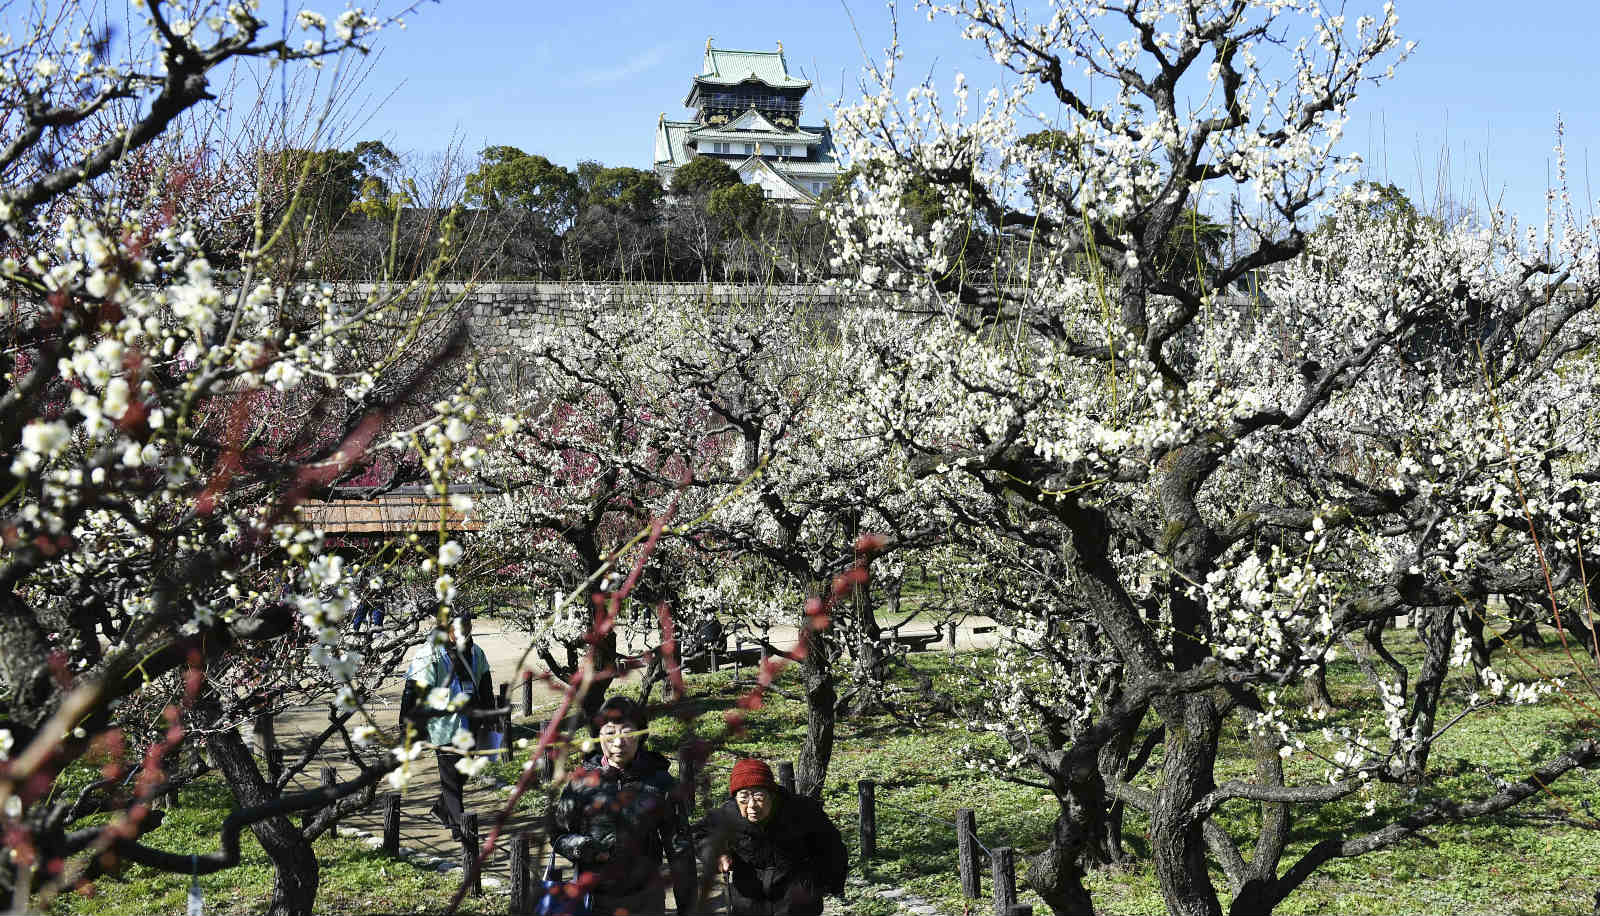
[(780, 850)]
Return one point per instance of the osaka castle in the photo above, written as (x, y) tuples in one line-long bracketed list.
[(747, 113)]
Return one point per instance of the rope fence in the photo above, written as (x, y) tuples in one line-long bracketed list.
[(970, 850), (698, 777)]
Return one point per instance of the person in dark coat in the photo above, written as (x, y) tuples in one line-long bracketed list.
[(620, 815), (780, 851)]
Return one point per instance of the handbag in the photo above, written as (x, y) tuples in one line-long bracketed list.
[(560, 898), (493, 741)]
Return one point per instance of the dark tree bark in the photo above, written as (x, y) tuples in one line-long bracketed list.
[(1177, 840), (1317, 688), (1056, 874), (1254, 894), (1079, 837), (296, 873), (816, 673), (23, 668), (1114, 761), (870, 660), (1435, 628)]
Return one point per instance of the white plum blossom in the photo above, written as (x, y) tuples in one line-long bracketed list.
[(438, 698)]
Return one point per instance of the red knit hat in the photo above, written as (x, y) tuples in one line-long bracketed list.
[(751, 774)]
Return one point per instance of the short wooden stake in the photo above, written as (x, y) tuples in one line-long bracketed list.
[(520, 874), (391, 824), (967, 853), (1004, 862), (330, 776), (688, 776), (469, 854), (866, 792)]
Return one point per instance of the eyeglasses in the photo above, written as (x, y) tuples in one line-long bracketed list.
[(745, 796)]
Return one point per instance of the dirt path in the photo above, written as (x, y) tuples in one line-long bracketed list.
[(423, 840)]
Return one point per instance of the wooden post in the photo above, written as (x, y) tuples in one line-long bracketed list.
[(967, 853), (547, 766), (1004, 862), (263, 733), (330, 776), (950, 635), (786, 775), (687, 777), (391, 824), (505, 721), (866, 792), (469, 854), (520, 873), (527, 693), (705, 792), (738, 659)]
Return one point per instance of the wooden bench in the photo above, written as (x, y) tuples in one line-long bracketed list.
[(916, 642)]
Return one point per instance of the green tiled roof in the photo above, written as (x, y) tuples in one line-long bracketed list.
[(670, 135), (704, 134), (794, 169), (671, 150), (729, 68)]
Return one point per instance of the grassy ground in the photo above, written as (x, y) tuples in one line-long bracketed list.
[(355, 878), (1519, 862)]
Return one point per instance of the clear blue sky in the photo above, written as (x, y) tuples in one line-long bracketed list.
[(586, 80)]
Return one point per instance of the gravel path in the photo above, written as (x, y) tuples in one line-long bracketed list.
[(426, 843)]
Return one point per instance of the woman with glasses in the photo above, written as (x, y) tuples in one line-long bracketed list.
[(620, 815)]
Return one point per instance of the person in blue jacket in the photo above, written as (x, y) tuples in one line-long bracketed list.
[(451, 663)]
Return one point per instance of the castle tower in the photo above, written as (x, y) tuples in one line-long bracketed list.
[(747, 109)]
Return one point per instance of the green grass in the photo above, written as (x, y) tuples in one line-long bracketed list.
[(354, 878), (1510, 863)]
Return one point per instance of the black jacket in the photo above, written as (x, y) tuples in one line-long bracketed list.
[(635, 816), (782, 866)]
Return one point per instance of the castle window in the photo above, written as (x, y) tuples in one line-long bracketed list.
[(719, 147), (749, 148)]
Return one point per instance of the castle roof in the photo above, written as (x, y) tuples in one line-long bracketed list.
[(754, 163), (725, 67), (672, 150)]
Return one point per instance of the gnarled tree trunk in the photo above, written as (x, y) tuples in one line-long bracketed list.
[(1177, 841), (816, 673), (296, 874)]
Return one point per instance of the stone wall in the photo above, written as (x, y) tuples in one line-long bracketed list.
[(509, 314)]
